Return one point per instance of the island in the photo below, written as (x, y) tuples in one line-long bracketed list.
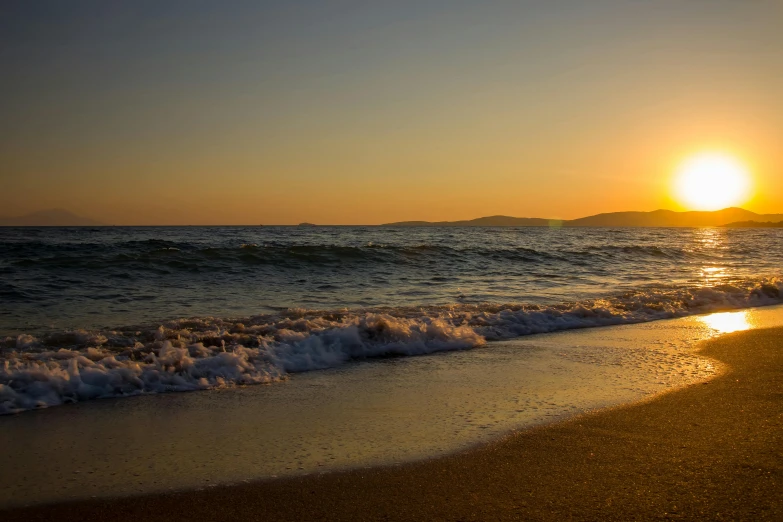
[(755, 224)]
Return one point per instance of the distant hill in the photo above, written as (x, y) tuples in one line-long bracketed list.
[(55, 217), (755, 224), (656, 218), (490, 221), (669, 218)]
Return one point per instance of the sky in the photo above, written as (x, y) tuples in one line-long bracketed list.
[(348, 112)]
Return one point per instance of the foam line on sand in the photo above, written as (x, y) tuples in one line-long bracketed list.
[(708, 451)]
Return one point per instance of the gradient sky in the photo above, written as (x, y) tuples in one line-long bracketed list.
[(196, 112)]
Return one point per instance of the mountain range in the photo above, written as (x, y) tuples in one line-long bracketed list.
[(735, 217), (656, 218)]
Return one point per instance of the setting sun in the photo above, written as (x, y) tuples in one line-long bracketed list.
[(712, 181), (558, 219)]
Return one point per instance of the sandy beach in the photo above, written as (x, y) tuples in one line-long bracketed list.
[(709, 451), (391, 261)]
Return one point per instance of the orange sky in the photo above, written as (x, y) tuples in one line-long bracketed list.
[(341, 114)]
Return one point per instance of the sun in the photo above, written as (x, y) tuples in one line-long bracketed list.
[(712, 181)]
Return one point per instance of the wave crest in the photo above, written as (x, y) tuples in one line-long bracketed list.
[(204, 353)]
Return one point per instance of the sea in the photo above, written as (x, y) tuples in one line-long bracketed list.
[(90, 313)]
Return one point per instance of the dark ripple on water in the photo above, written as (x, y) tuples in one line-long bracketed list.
[(77, 278)]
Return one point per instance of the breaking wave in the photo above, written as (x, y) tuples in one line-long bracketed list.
[(205, 353)]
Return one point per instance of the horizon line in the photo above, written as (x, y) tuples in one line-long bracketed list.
[(407, 223)]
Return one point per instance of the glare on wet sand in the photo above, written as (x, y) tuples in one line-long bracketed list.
[(728, 322)]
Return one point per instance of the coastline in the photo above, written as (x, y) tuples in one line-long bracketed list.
[(364, 415), (705, 451)]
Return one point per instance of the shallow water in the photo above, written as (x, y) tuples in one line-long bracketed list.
[(360, 414)]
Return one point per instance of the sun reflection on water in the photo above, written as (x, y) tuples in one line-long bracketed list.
[(712, 275), (716, 272), (728, 322), (710, 238)]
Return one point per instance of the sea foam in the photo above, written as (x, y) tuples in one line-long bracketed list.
[(206, 353)]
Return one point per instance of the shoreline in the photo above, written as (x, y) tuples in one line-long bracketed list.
[(362, 416), (705, 451)]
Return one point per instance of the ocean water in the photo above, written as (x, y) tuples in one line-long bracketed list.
[(104, 312)]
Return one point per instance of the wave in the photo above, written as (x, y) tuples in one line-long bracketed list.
[(206, 353), (164, 256)]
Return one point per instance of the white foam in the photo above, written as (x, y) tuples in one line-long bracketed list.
[(380, 413), (206, 353)]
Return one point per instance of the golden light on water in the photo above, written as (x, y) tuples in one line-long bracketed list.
[(728, 322), (714, 275), (712, 181)]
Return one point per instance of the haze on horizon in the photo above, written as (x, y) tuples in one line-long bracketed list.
[(196, 112)]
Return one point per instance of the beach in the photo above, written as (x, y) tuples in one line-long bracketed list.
[(386, 371), (707, 451), (391, 261)]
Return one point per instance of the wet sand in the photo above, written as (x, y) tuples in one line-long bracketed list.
[(709, 451), (366, 414)]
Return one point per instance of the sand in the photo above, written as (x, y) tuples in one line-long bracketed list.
[(709, 451), (364, 414)]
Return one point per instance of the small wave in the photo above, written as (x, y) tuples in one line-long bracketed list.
[(206, 353), (153, 255), (10, 293)]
